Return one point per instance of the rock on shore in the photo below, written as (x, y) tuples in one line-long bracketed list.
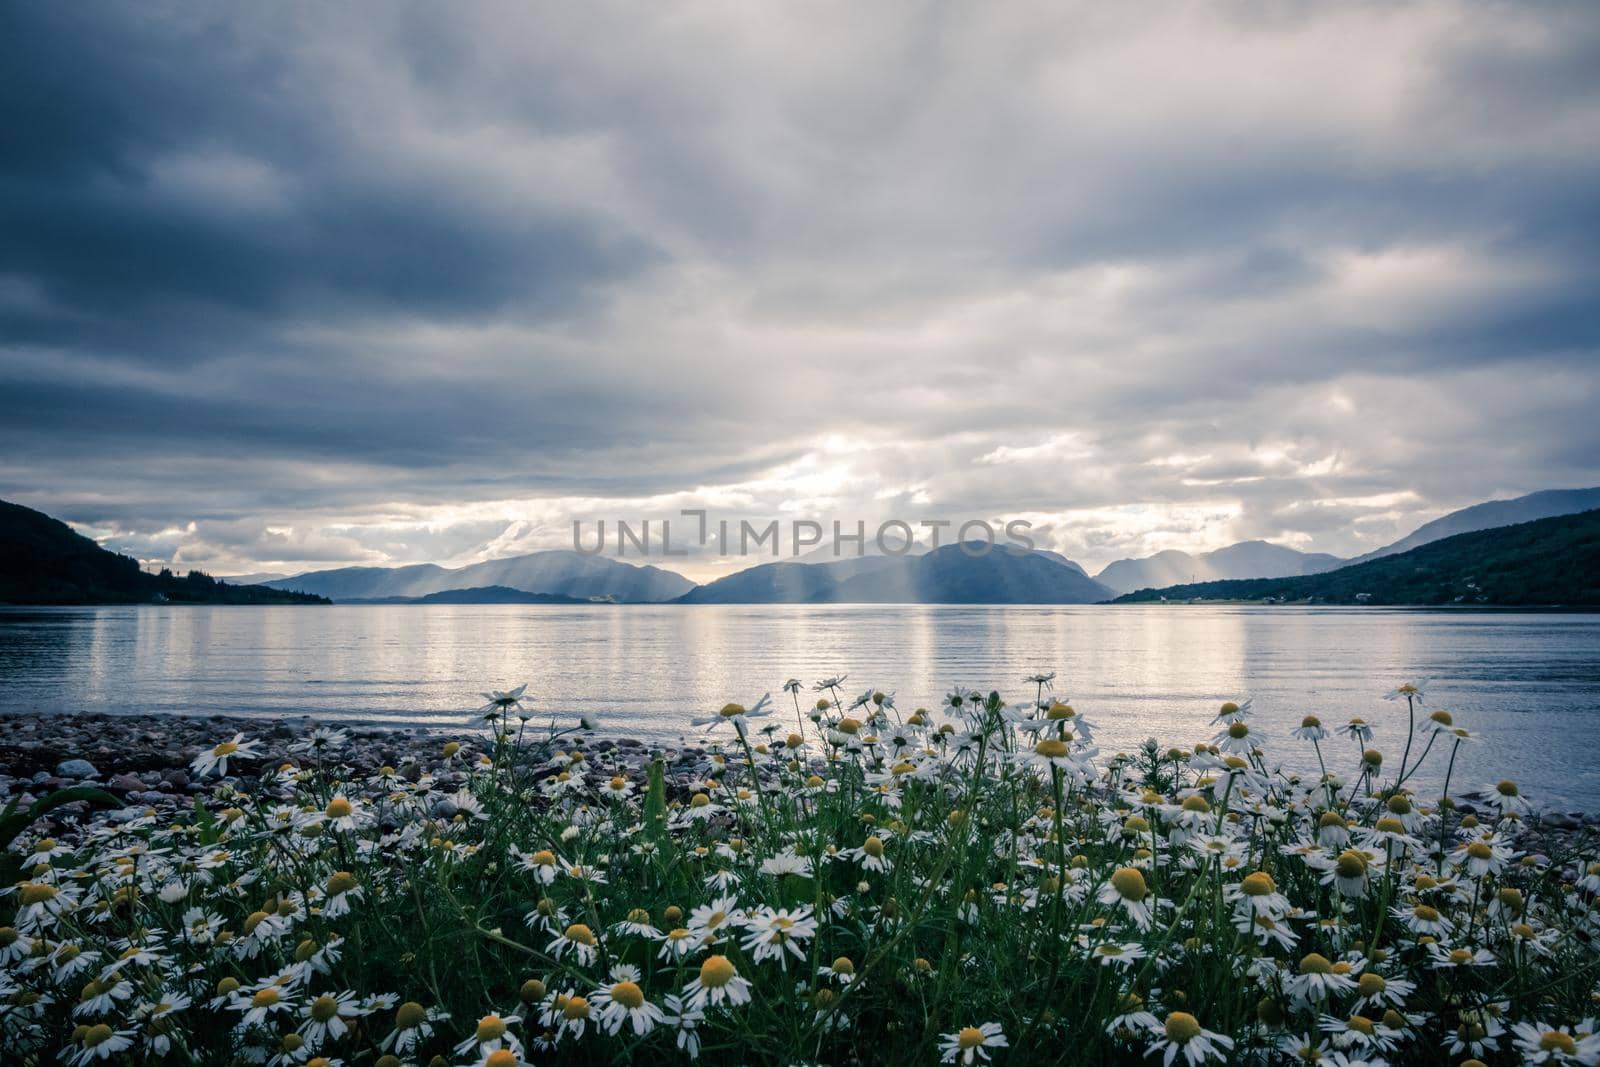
[(146, 758)]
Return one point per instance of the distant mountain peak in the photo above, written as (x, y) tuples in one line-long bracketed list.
[(973, 572), (561, 572), (1246, 559)]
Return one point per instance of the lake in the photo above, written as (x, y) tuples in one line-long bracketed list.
[(1527, 684)]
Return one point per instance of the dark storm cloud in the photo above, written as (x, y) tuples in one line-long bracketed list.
[(299, 283)]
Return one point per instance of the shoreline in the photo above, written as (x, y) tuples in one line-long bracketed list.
[(144, 757)]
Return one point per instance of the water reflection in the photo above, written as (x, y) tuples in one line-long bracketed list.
[(1529, 684)]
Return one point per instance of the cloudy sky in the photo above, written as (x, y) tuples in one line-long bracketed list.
[(295, 286)]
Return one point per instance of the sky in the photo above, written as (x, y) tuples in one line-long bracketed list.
[(294, 286)]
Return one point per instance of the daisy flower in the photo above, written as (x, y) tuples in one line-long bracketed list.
[(1357, 730), (1256, 894), (1506, 798), (1235, 738), (737, 715), (707, 920), (1122, 954), (492, 1034), (1443, 958), (413, 1026), (685, 1019), (1382, 992), (577, 939), (1481, 857), (778, 934), (1310, 729), (1423, 919), (677, 943), (501, 702), (98, 1042), (1232, 712), (1126, 888), (623, 1004), (971, 1043), (1539, 1043), (215, 760), (717, 983), (341, 891), (786, 862), (1319, 978), (329, 1017), (261, 1004), (1183, 1034), (543, 864), (870, 855)]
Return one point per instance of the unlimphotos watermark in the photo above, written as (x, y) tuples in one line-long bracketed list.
[(742, 537)]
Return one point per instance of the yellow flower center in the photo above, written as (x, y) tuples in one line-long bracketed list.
[(501, 1057), (1556, 1041), (1362, 1024), (1311, 722), (1129, 883), (849, 726), (628, 994), (490, 1028), (716, 972), (98, 1034), (1315, 963), (339, 808), (843, 965), (731, 710), (1259, 884), (1350, 864), (544, 858), (324, 1008), (969, 1037), (227, 748), (1480, 851), (1238, 730), (266, 998), (580, 933), (36, 893), (873, 846), (409, 1014), (341, 882), (1370, 985), (1506, 788), (1051, 749), (699, 800), (1425, 913), (1182, 1028), (1460, 955)]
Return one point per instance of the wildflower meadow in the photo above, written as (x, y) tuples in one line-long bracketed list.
[(851, 882)]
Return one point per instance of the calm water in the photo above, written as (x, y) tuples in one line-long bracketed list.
[(1528, 684)]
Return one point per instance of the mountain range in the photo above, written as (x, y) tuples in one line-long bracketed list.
[(563, 572), (67, 573), (942, 575), (1554, 561), (1247, 559), (973, 573), (1542, 505)]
